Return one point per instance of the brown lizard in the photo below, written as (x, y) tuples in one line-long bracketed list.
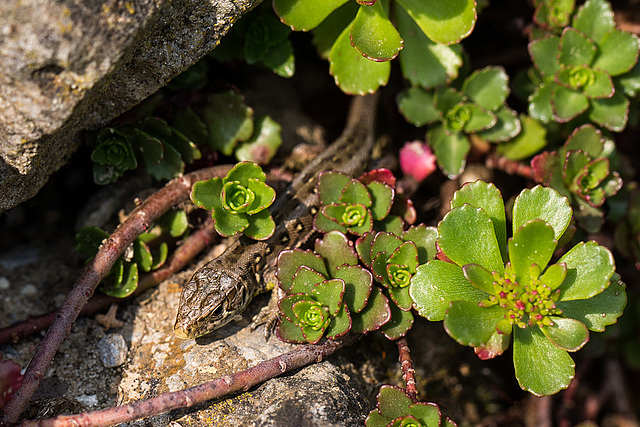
[(222, 288)]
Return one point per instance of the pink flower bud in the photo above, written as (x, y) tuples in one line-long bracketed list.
[(417, 160)]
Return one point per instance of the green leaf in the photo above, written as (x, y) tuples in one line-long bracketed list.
[(595, 19), (142, 255), (541, 367), (288, 331), (480, 119), (423, 62), (280, 59), (406, 255), (264, 196), (533, 243), (374, 315), (160, 256), (330, 293), (568, 334), (567, 103), (443, 22), (393, 402), (261, 226), (363, 247), (436, 284), (263, 144), (385, 243), (206, 194), (358, 285), (467, 236), (228, 121), (479, 277), (400, 323), (176, 222), (529, 141), (487, 197), (290, 260), (340, 324), (381, 198), (304, 15), (542, 203), (446, 98), (600, 310), (586, 138), (488, 87), (417, 106), (589, 268), (472, 325), (450, 150), (353, 73), (325, 34), (305, 280), (617, 52), (554, 276), (427, 413), (355, 192), (228, 224), (245, 171), (506, 127), (336, 249), (187, 148), (540, 106), (127, 283), (373, 34), (285, 305), (330, 186), (425, 240), (190, 125), (575, 48), (630, 82), (544, 54), (611, 113)]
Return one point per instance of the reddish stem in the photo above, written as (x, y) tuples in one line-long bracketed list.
[(240, 381), (509, 166), (408, 373), (112, 248)]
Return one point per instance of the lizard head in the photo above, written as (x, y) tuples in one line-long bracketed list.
[(210, 300)]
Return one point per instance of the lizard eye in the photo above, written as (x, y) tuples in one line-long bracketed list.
[(217, 311)]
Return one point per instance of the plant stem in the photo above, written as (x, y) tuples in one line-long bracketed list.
[(192, 246), (240, 381), (111, 249), (509, 166), (408, 373)]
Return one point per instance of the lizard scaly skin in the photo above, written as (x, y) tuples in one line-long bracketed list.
[(223, 288)]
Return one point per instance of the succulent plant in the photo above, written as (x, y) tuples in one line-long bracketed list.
[(580, 72), (394, 408), (238, 202), (112, 156), (489, 291), (329, 286), (478, 108), (357, 206), (580, 171), (359, 39)]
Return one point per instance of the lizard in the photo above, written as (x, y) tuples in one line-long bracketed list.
[(222, 288)]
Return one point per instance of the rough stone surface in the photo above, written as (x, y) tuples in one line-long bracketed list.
[(66, 66), (112, 350)]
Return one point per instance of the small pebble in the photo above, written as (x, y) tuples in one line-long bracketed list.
[(4, 283), (112, 350), (29, 290)]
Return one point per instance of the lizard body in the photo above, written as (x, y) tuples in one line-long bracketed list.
[(223, 288)]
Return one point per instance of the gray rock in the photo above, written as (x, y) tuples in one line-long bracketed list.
[(112, 350), (67, 66)]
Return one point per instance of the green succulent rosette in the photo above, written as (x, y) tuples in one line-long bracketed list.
[(301, 272), (490, 291), (357, 206), (585, 70), (396, 409), (112, 156), (478, 108), (238, 202), (580, 171)]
